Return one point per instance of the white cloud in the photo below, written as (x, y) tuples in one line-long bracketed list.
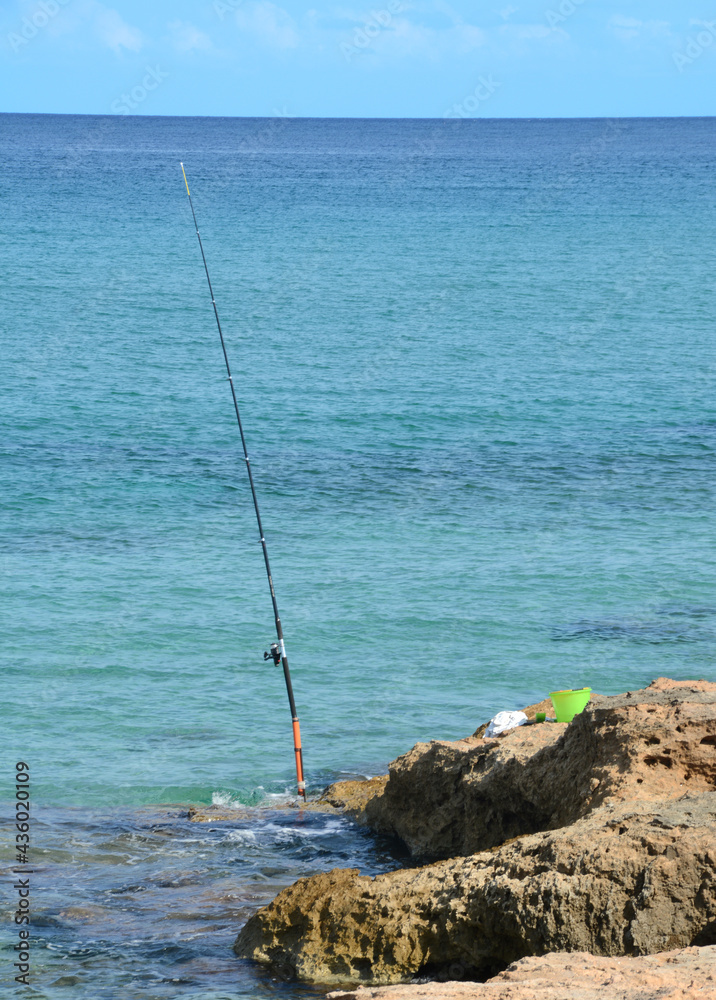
[(469, 36), (627, 29), (271, 24), (461, 35), (523, 32), (380, 29), (532, 31), (115, 32), (404, 38), (520, 39), (185, 37)]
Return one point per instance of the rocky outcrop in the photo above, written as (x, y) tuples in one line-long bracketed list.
[(352, 798), (629, 882), (444, 798), (597, 836), (685, 974)]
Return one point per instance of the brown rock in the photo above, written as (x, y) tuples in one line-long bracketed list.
[(624, 882), (685, 974), (668, 684), (448, 798), (615, 850), (217, 814), (352, 797)]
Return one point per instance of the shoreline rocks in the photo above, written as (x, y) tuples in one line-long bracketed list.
[(631, 883), (478, 793), (596, 836), (675, 975)]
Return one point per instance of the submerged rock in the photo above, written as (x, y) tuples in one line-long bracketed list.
[(606, 829), (349, 798)]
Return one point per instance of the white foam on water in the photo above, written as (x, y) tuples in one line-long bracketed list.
[(241, 836), (277, 833), (267, 800), (281, 832), (224, 799), (209, 995), (281, 798)]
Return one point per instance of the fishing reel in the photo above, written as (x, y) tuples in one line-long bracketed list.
[(274, 654)]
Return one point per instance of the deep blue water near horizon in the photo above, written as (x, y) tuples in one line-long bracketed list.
[(475, 361)]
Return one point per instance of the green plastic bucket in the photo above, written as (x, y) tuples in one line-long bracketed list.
[(567, 704)]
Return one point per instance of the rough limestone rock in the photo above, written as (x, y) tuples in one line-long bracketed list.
[(687, 974), (448, 798), (627, 882), (352, 797), (608, 845)]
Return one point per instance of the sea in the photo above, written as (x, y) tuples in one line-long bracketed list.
[(475, 361)]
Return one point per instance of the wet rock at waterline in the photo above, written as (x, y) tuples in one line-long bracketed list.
[(624, 882)]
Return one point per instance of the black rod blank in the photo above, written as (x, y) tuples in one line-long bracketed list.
[(281, 654)]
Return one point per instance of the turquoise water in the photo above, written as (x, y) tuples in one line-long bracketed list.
[(475, 361)]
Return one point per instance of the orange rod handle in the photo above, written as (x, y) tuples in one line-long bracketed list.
[(299, 758)]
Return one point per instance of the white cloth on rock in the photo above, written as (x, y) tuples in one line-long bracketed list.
[(504, 721)]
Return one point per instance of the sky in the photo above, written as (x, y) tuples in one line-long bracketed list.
[(388, 59)]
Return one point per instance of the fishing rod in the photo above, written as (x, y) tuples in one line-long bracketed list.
[(278, 649)]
